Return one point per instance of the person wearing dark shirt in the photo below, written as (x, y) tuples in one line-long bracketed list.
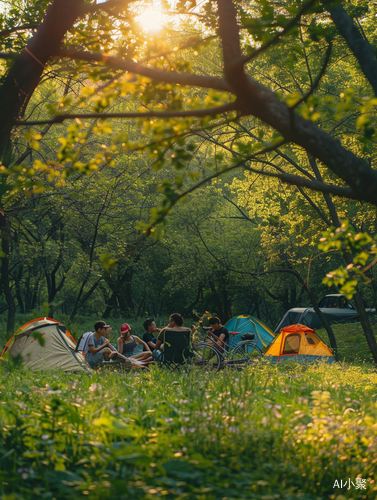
[(148, 337), (220, 331)]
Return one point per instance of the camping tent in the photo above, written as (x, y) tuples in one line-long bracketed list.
[(249, 324), (57, 351), (298, 343)]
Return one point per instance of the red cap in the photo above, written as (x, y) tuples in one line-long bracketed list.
[(124, 328)]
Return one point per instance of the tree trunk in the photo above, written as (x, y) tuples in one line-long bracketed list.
[(189, 309), (365, 323), (129, 307), (140, 309), (5, 278), (324, 323), (110, 303), (323, 320), (364, 319), (82, 299), (24, 76), (18, 289), (217, 301), (34, 296)]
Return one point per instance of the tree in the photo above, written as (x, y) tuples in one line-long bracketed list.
[(99, 41), (251, 98)]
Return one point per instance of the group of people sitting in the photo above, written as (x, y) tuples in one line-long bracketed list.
[(97, 347)]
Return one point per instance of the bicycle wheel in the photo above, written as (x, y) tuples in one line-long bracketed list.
[(247, 352), (206, 356)]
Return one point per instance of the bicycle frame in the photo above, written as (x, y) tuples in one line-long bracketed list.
[(221, 346), (228, 352)]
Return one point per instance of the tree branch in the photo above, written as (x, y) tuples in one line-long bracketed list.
[(193, 42), (296, 180), (9, 31), (318, 79), (287, 178), (280, 153), (117, 5), (230, 41), (306, 57), (327, 197), (264, 104), (149, 114), (244, 216), (255, 99), (208, 82), (306, 196), (276, 38), (360, 47)]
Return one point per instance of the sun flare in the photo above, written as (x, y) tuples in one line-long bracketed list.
[(152, 19)]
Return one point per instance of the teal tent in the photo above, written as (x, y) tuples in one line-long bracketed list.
[(249, 324)]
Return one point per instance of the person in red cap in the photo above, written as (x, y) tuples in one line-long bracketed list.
[(126, 345)]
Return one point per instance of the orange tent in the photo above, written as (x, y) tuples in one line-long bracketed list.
[(298, 343)]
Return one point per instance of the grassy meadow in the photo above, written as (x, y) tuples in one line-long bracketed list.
[(352, 344), (265, 433)]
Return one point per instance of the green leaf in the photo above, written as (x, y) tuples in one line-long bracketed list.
[(107, 261), (39, 336)]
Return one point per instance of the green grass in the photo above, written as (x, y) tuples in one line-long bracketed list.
[(352, 344), (264, 433), (267, 432)]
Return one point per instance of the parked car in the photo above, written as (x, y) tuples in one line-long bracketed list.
[(335, 301), (335, 307)]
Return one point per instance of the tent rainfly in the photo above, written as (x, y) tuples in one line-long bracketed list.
[(248, 324), (298, 343), (57, 351)]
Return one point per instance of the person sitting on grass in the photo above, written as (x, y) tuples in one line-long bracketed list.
[(98, 347), (126, 345), (148, 337), (220, 331)]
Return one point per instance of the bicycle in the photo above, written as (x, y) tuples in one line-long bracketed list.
[(213, 352)]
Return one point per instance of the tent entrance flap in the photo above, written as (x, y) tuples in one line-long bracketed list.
[(292, 344), (18, 344)]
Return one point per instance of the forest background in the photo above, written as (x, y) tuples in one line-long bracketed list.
[(189, 168), (92, 223)]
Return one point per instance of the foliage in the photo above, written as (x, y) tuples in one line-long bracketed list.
[(359, 245), (294, 42), (224, 86), (267, 431), (119, 124)]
